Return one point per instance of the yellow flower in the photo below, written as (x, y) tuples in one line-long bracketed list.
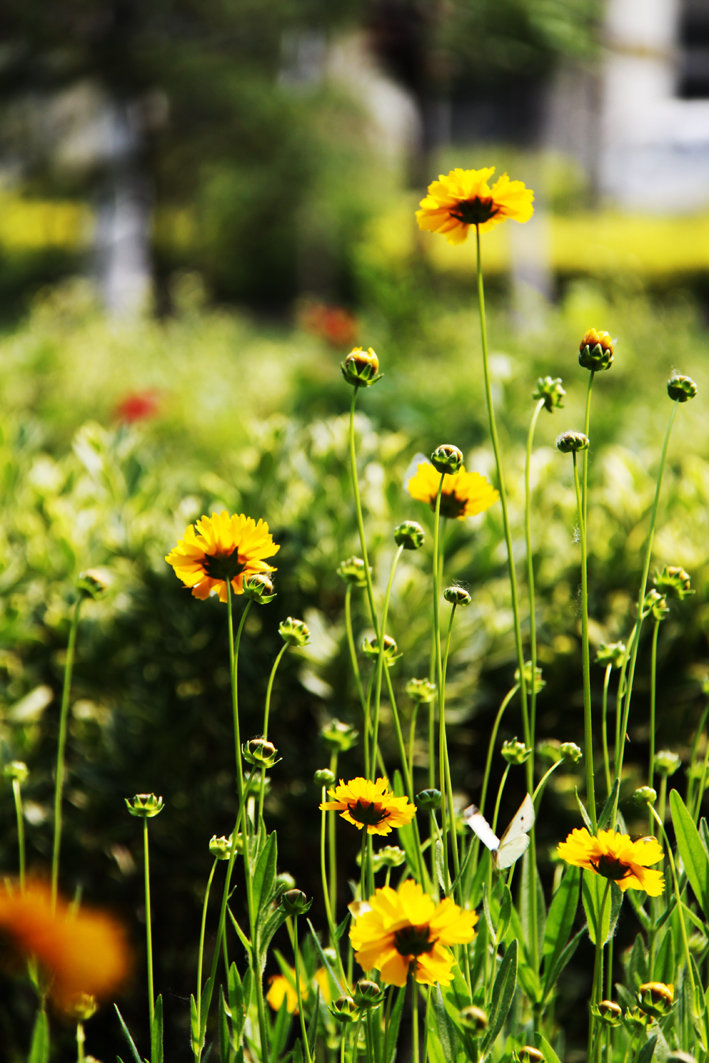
[(80, 951), (282, 987), (219, 549), (369, 804), (464, 494), (616, 857), (464, 198), (402, 930)]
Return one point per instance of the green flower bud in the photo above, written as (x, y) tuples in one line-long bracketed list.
[(260, 752), (220, 847), (344, 1010), (361, 368), (635, 1020), (674, 582), (666, 762), (368, 994), (549, 748), (145, 806), (428, 800), (82, 1007), (455, 595), (370, 648), (539, 683), (295, 902), (596, 350), (656, 998), (528, 1054), (16, 771), (571, 442), (514, 751), (284, 882), (447, 458), (422, 691), (93, 583), (550, 389), (678, 1056), (352, 570), (474, 1019), (611, 653), (681, 388), (388, 856), (294, 632), (409, 534), (259, 588), (645, 795), (610, 1013), (656, 604), (570, 752), (339, 735), (324, 777)]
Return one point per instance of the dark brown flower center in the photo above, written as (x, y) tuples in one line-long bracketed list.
[(475, 211), (611, 868), (367, 813), (413, 940), (451, 504), (223, 566)]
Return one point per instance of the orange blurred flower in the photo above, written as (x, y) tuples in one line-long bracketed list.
[(79, 950)]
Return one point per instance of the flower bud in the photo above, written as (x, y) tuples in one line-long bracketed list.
[(611, 653), (645, 795), (674, 582), (610, 1013), (656, 998), (455, 595), (352, 570), (294, 632), (344, 1010), (260, 752), (666, 762), (370, 648), (528, 1054), (539, 683), (339, 735), (324, 777), (409, 534), (549, 748), (220, 847), (295, 902), (550, 390), (388, 856), (571, 442), (368, 994), (681, 388), (514, 751), (422, 691), (655, 603), (93, 583), (635, 1020), (428, 800), (596, 350), (145, 806), (474, 1019), (361, 368), (258, 588), (284, 882), (16, 771), (81, 1007), (447, 458), (570, 752), (678, 1056)]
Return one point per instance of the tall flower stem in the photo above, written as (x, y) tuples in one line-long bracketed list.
[(266, 715), (604, 727), (530, 574), (61, 745), (297, 963), (381, 663), (446, 809), (491, 744), (148, 924), (360, 518), (586, 655), (20, 818), (653, 701), (197, 1048), (503, 499)]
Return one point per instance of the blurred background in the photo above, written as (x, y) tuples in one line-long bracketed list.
[(204, 204)]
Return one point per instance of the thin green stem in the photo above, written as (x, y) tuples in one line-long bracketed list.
[(299, 992), (19, 816), (80, 1042), (586, 656), (414, 1020), (360, 519), (148, 924), (491, 744), (61, 746), (197, 1047), (381, 661), (530, 572), (266, 714), (604, 727), (653, 699)]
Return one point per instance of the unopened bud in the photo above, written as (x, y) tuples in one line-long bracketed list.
[(324, 777), (294, 632), (611, 653), (370, 648), (571, 442), (352, 570), (681, 388), (220, 847), (674, 582), (409, 534), (610, 1013), (93, 583), (596, 350), (339, 735), (388, 856), (645, 795), (538, 680), (344, 1010), (145, 806), (550, 390), (456, 595), (514, 751), (361, 368), (570, 752), (258, 588), (368, 994), (666, 762), (260, 752), (656, 604), (421, 690), (16, 771), (428, 800), (295, 902), (447, 458), (656, 998), (474, 1019)]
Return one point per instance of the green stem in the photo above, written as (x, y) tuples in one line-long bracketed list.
[(381, 663), (61, 746), (503, 495), (19, 816), (653, 698), (530, 575), (604, 727), (80, 1042), (266, 714), (197, 1048), (414, 1020), (446, 811), (360, 519), (148, 924), (491, 744), (299, 992), (586, 656)]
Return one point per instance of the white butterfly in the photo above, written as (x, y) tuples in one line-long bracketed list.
[(514, 841)]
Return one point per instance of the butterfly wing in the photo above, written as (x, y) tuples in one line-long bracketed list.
[(515, 841), (480, 826)]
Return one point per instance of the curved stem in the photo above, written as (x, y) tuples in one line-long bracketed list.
[(530, 574)]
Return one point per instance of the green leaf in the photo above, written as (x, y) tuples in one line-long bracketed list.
[(560, 920), (545, 1048), (392, 1031), (647, 1051), (529, 870), (265, 874), (598, 892), (223, 1026), (503, 993), (584, 814), (607, 812), (131, 1042), (693, 853), (156, 1034), (554, 970), (39, 1047), (447, 1033), (663, 969)]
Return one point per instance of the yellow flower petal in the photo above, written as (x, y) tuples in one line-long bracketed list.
[(464, 494), (222, 549), (369, 804), (617, 857), (464, 198)]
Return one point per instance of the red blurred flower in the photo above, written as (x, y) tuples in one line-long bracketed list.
[(137, 406), (332, 323)]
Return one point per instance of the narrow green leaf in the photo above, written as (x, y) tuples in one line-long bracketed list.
[(265, 873), (195, 1031), (596, 895), (39, 1046), (447, 1033), (560, 920), (131, 1042), (693, 853), (223, 1027), (156, 1033), (503, 992), (584, 814), (545, 1048), (663, 969), (206, 1000), (554, 969), (647, 1051), (392, 1031), (607, 811)]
